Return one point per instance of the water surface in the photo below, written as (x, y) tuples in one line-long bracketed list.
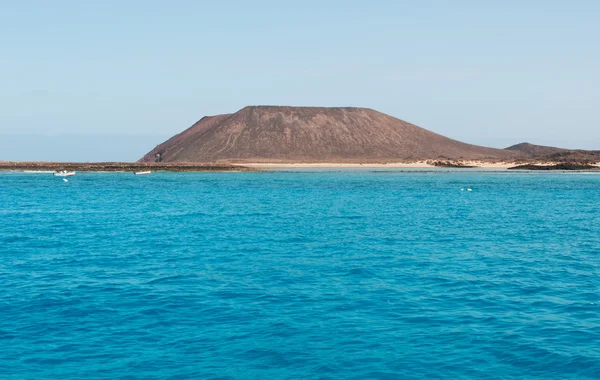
[(289, 275)]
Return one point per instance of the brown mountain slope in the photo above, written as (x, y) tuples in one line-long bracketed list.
[(550, 153), (535, 150), (312, 134)]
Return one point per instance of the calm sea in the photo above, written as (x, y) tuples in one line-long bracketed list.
[(300, 275)]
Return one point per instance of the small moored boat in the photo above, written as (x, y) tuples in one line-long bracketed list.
[(64, 173), (142, 173)]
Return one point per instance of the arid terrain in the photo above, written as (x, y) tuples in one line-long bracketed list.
[(267, 137), (263, 136), (313, 135)]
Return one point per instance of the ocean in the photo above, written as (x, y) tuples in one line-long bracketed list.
[(300, 275)]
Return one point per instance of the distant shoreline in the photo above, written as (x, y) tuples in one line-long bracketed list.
[(408, 165), (424, 164), (122, 166), (260, 166)]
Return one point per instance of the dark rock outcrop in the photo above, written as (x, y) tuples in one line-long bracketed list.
[(561, 166), (449, 164)]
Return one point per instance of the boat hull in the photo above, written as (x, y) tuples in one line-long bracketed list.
[(64, 174)]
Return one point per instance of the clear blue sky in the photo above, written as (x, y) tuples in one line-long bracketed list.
[(485, 72)]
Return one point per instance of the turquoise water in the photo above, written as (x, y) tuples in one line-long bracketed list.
[(327, 275)]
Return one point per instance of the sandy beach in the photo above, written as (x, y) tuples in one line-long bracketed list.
[(391, 165)]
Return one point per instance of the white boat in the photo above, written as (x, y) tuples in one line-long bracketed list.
[(142, 173), (64, 173)]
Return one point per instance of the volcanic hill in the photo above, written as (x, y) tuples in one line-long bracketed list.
[(550, 153), (313, 134)]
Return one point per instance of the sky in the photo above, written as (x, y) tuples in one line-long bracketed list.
[(109, 80)]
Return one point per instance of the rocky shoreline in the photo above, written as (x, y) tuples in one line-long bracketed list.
[(450, 164), (560, 166), (122, 167)]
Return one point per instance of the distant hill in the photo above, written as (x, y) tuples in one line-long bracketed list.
[(549, 153), (314, 134), (535, 150)]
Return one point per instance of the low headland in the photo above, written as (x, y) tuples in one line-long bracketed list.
[(122, 166)]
